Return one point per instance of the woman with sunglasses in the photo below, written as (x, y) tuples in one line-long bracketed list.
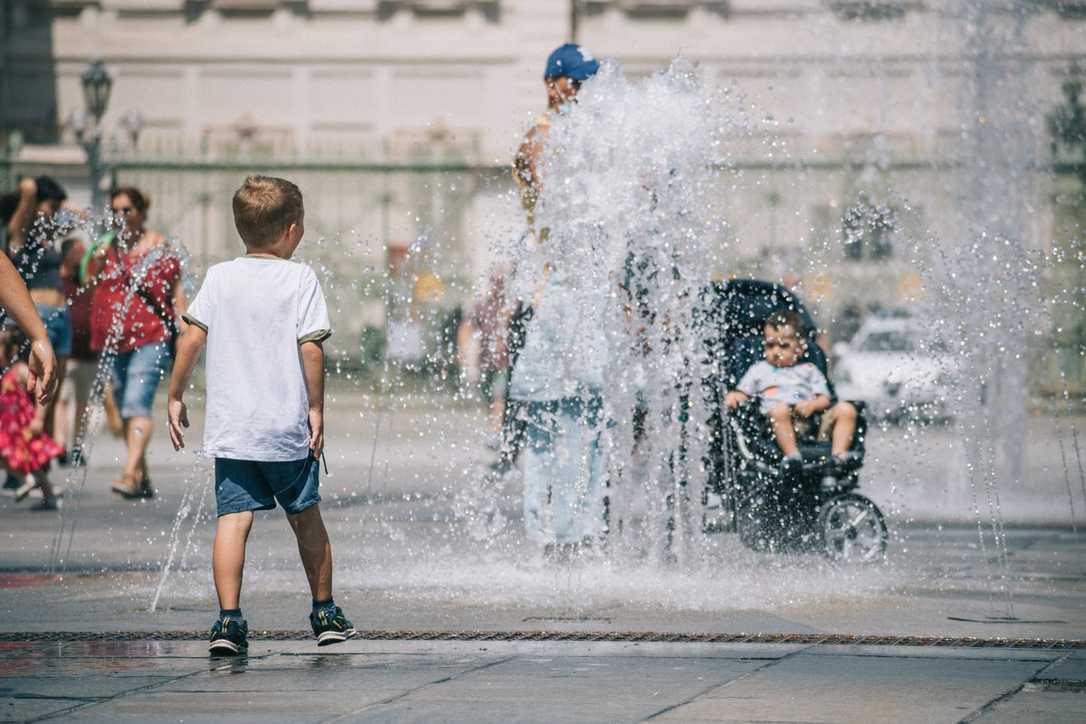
[(136, 309)]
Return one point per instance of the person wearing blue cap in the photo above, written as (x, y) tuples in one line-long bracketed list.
[(567, 68), (554, 414)]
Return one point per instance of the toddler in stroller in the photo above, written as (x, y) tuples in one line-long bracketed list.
[(788, 465), (792, 394)]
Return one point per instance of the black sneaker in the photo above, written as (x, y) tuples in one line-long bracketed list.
[(791, 466), (229, 636), (330, 629)]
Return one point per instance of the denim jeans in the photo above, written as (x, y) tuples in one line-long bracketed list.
[(562, 466)]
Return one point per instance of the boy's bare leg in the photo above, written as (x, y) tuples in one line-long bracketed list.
[(315, 550), (844, 427), (228, 557), (781, 417)]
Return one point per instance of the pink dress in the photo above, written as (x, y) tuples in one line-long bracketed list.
[(20, 450)]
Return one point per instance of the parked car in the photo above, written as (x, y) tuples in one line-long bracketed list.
[(900, 372)]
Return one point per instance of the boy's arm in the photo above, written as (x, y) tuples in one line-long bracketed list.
[(313, 370), (189, 345)]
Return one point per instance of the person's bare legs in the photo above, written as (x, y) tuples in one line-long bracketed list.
[(315, 550), (228, 557), (138, 437), (844, 427), (781, 417)]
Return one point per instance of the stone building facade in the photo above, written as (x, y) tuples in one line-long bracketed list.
[(400, 116)]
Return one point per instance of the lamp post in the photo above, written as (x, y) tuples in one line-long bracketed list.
[(97, 84)]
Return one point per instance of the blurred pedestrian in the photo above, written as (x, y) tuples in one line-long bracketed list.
[(25, 448), (137, 303), (487, 326), (75, 392), (560, 399), (32, 243), (15, 301)]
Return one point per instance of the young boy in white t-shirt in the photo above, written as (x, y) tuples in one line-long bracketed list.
[(263, 318)]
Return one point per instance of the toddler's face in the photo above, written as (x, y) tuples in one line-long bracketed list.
[(782, 346)]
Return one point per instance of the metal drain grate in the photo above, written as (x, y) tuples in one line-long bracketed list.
[(577, 636)]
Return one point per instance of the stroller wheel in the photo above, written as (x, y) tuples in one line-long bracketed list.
[(853, 529)]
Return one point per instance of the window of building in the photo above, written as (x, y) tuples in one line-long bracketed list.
[(867, 231)]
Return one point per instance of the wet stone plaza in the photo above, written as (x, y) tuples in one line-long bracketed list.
[(735, 373), (452, 628)]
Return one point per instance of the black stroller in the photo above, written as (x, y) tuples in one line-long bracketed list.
[(816, 508)]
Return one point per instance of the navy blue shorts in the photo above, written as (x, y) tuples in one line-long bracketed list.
[(242, 485)]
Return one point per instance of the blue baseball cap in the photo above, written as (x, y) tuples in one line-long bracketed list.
[(572, 61)]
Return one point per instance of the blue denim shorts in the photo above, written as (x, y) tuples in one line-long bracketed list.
[(58, 327), (242, 485), (136, 375)]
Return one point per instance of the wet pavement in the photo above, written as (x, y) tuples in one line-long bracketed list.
[(405, 562), (537, 682)]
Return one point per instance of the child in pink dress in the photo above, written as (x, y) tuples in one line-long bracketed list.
[(25, 449)]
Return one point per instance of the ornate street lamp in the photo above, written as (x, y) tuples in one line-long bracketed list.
[(97, 84)]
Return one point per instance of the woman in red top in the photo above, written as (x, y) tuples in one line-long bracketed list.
[(137, 305)]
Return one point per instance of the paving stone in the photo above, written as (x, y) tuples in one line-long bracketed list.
[(1050, 707), (577, 689), (87, 685), (114, 666), (1073, 668), (409, 711), (258, 707), (21, 709), (938, 652), (328, 674), (859, 689)]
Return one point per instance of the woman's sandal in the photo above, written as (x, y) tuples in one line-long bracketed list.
[(128, 487)]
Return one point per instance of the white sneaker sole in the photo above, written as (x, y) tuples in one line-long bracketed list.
[(222, 646), (334, 637)]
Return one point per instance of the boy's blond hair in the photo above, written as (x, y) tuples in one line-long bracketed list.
[(264, 208)]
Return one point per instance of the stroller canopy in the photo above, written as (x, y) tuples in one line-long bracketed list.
[(736, 311)]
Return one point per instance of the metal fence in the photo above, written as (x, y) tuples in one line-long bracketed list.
[(452, 216)]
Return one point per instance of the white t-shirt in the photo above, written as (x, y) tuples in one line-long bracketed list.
[(257, 311), (783, 385)]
